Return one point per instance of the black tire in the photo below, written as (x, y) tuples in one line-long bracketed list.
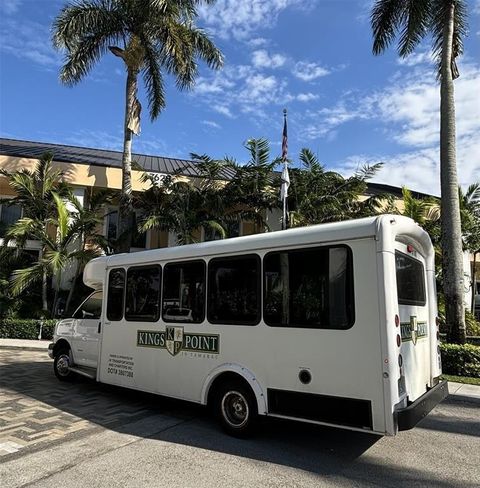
[(61, 362), (235, 406)]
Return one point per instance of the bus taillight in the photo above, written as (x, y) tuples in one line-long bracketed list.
[(397, 321)]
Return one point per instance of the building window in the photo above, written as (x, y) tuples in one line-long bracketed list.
[(234, 290), (184, 292), (9, 214), (112, 219), (143, 294), (310, 288)]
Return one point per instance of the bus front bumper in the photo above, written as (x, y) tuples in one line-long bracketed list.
[(50, 349), (408, 417)]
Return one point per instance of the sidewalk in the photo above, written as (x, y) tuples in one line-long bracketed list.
[(25, 344)]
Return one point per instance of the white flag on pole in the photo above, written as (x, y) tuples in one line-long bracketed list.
[(285, 183)]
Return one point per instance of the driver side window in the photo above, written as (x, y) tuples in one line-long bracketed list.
[(91, 308)]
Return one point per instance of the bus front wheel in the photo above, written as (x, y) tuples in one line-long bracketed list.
[(236, 409), (61, 365)]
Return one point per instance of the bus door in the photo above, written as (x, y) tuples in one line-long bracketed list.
[(413, 308)]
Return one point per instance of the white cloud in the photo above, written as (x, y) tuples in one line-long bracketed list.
[(414, 59), (258, 42), (309, 71), (409, 113), (211, 123), (476, 7), (9, 7), (262, 59), (306, 97), (223, 110), (231, 18), (28, 40)]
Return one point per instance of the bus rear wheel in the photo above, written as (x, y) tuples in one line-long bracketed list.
[(236, 408)]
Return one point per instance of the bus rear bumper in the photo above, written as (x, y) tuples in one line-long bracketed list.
[(408, 417)]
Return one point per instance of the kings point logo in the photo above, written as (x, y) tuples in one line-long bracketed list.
[(175, 340), (413, 330)]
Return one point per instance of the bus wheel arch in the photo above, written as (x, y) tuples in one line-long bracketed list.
[(234, 403), (232, 373)]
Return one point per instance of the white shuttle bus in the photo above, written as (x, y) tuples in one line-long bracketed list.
[(333, 324)]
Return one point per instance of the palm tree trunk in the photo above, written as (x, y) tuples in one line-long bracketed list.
[(125, 213), (452, 255), (44, 291)]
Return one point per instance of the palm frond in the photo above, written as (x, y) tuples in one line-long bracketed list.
[(153, 80), (386, 19), (23, 278), (415, 25)]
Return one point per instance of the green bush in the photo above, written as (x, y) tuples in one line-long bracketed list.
[(25, 328), (461, 360)]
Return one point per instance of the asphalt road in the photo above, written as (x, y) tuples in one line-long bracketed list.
[(87, 435)]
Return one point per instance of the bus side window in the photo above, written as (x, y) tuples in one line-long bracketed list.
[(184, 292), (234, 290), (115, 296), (142, 302), (310, 288)]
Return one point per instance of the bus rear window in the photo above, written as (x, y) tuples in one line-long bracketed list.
[(410, 280)]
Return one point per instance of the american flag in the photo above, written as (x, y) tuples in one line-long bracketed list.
[(285, 137)]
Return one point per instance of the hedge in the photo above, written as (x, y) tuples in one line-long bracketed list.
[(26, 328), (461, 360)]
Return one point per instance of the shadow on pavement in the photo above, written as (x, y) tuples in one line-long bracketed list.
[(333, 453)]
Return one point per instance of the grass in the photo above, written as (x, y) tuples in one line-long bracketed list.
[(461, 379)]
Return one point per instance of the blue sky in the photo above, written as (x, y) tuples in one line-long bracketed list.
[(312, 57)]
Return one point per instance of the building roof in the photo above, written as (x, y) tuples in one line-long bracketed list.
[(100, 157), (155, 164)]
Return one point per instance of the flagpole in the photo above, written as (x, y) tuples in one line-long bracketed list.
[(285, 176)]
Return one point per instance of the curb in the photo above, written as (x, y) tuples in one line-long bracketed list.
[(23, 348)]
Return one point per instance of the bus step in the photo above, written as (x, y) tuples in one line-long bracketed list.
[(88, 372)]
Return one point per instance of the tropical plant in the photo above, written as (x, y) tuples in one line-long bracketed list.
[(34, 191), (89, 220), (446, 22), (424, 211), (183, 207), (253, 189), (156, 36), (317, 196), (59, 249)]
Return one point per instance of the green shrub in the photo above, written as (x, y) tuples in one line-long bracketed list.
[(461, 360), (25, 328)]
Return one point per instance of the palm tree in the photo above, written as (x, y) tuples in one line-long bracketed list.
[(445, 21), (34, 193), (180, 206), (253, 189), (317, 196), (89, 218), (155, 35), (59, 251)]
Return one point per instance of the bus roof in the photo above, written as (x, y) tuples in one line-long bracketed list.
[(94, 273)]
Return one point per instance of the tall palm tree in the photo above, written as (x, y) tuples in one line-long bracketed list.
[(446, 22), (156, 36), (59, 250), (34, 193)]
